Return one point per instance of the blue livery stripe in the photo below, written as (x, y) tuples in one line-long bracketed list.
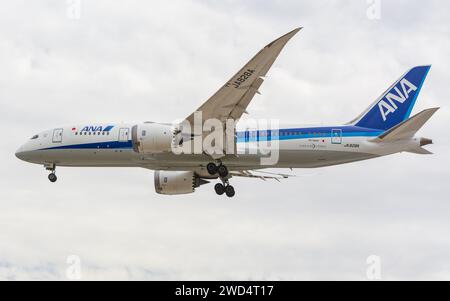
[(305, 133), (250, 136), (97, 145), (108, 128)]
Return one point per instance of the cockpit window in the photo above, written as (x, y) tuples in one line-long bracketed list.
[(34, 137)]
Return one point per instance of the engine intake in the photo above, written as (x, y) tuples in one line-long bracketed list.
[(152, 138)]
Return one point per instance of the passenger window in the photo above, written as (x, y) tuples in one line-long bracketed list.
[(144, 133)]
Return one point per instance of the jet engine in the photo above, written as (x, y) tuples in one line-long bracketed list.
[(177, 182), (152, 138)]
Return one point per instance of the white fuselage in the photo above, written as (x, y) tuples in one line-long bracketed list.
[(111, 146)]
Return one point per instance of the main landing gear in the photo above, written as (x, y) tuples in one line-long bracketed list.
[(52, 176), (222, 171), (227, 189), (213, 169)]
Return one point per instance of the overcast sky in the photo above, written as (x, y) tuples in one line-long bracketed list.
[(159, 60)]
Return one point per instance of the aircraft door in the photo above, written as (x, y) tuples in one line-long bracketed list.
[(123, 134), (57, 135), (336, 136)]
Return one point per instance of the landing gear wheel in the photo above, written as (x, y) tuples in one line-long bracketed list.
[(223, 171), (211, 168), (52, 177), (219, 188), (229, 191)]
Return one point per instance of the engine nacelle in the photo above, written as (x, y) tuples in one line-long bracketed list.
[(177, 182), (174, 182), (152, 138)]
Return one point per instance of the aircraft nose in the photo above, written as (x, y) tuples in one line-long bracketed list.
[(20, 154)]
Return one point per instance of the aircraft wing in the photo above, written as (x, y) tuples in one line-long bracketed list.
[(232, 99)]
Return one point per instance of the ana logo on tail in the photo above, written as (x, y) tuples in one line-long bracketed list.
[(388, 105)]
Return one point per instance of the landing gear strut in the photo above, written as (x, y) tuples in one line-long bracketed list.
[(52, 176)]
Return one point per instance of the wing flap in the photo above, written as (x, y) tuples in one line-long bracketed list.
[(263, 175)]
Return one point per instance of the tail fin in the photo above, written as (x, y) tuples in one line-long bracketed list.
[(396, 104)]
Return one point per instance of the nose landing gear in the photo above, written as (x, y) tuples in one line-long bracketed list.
[(52, 176)]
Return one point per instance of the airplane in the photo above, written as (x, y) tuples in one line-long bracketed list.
[(384, 128)]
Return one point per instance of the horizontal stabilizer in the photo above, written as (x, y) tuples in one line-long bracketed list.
[(420, 151), (407, 128)]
